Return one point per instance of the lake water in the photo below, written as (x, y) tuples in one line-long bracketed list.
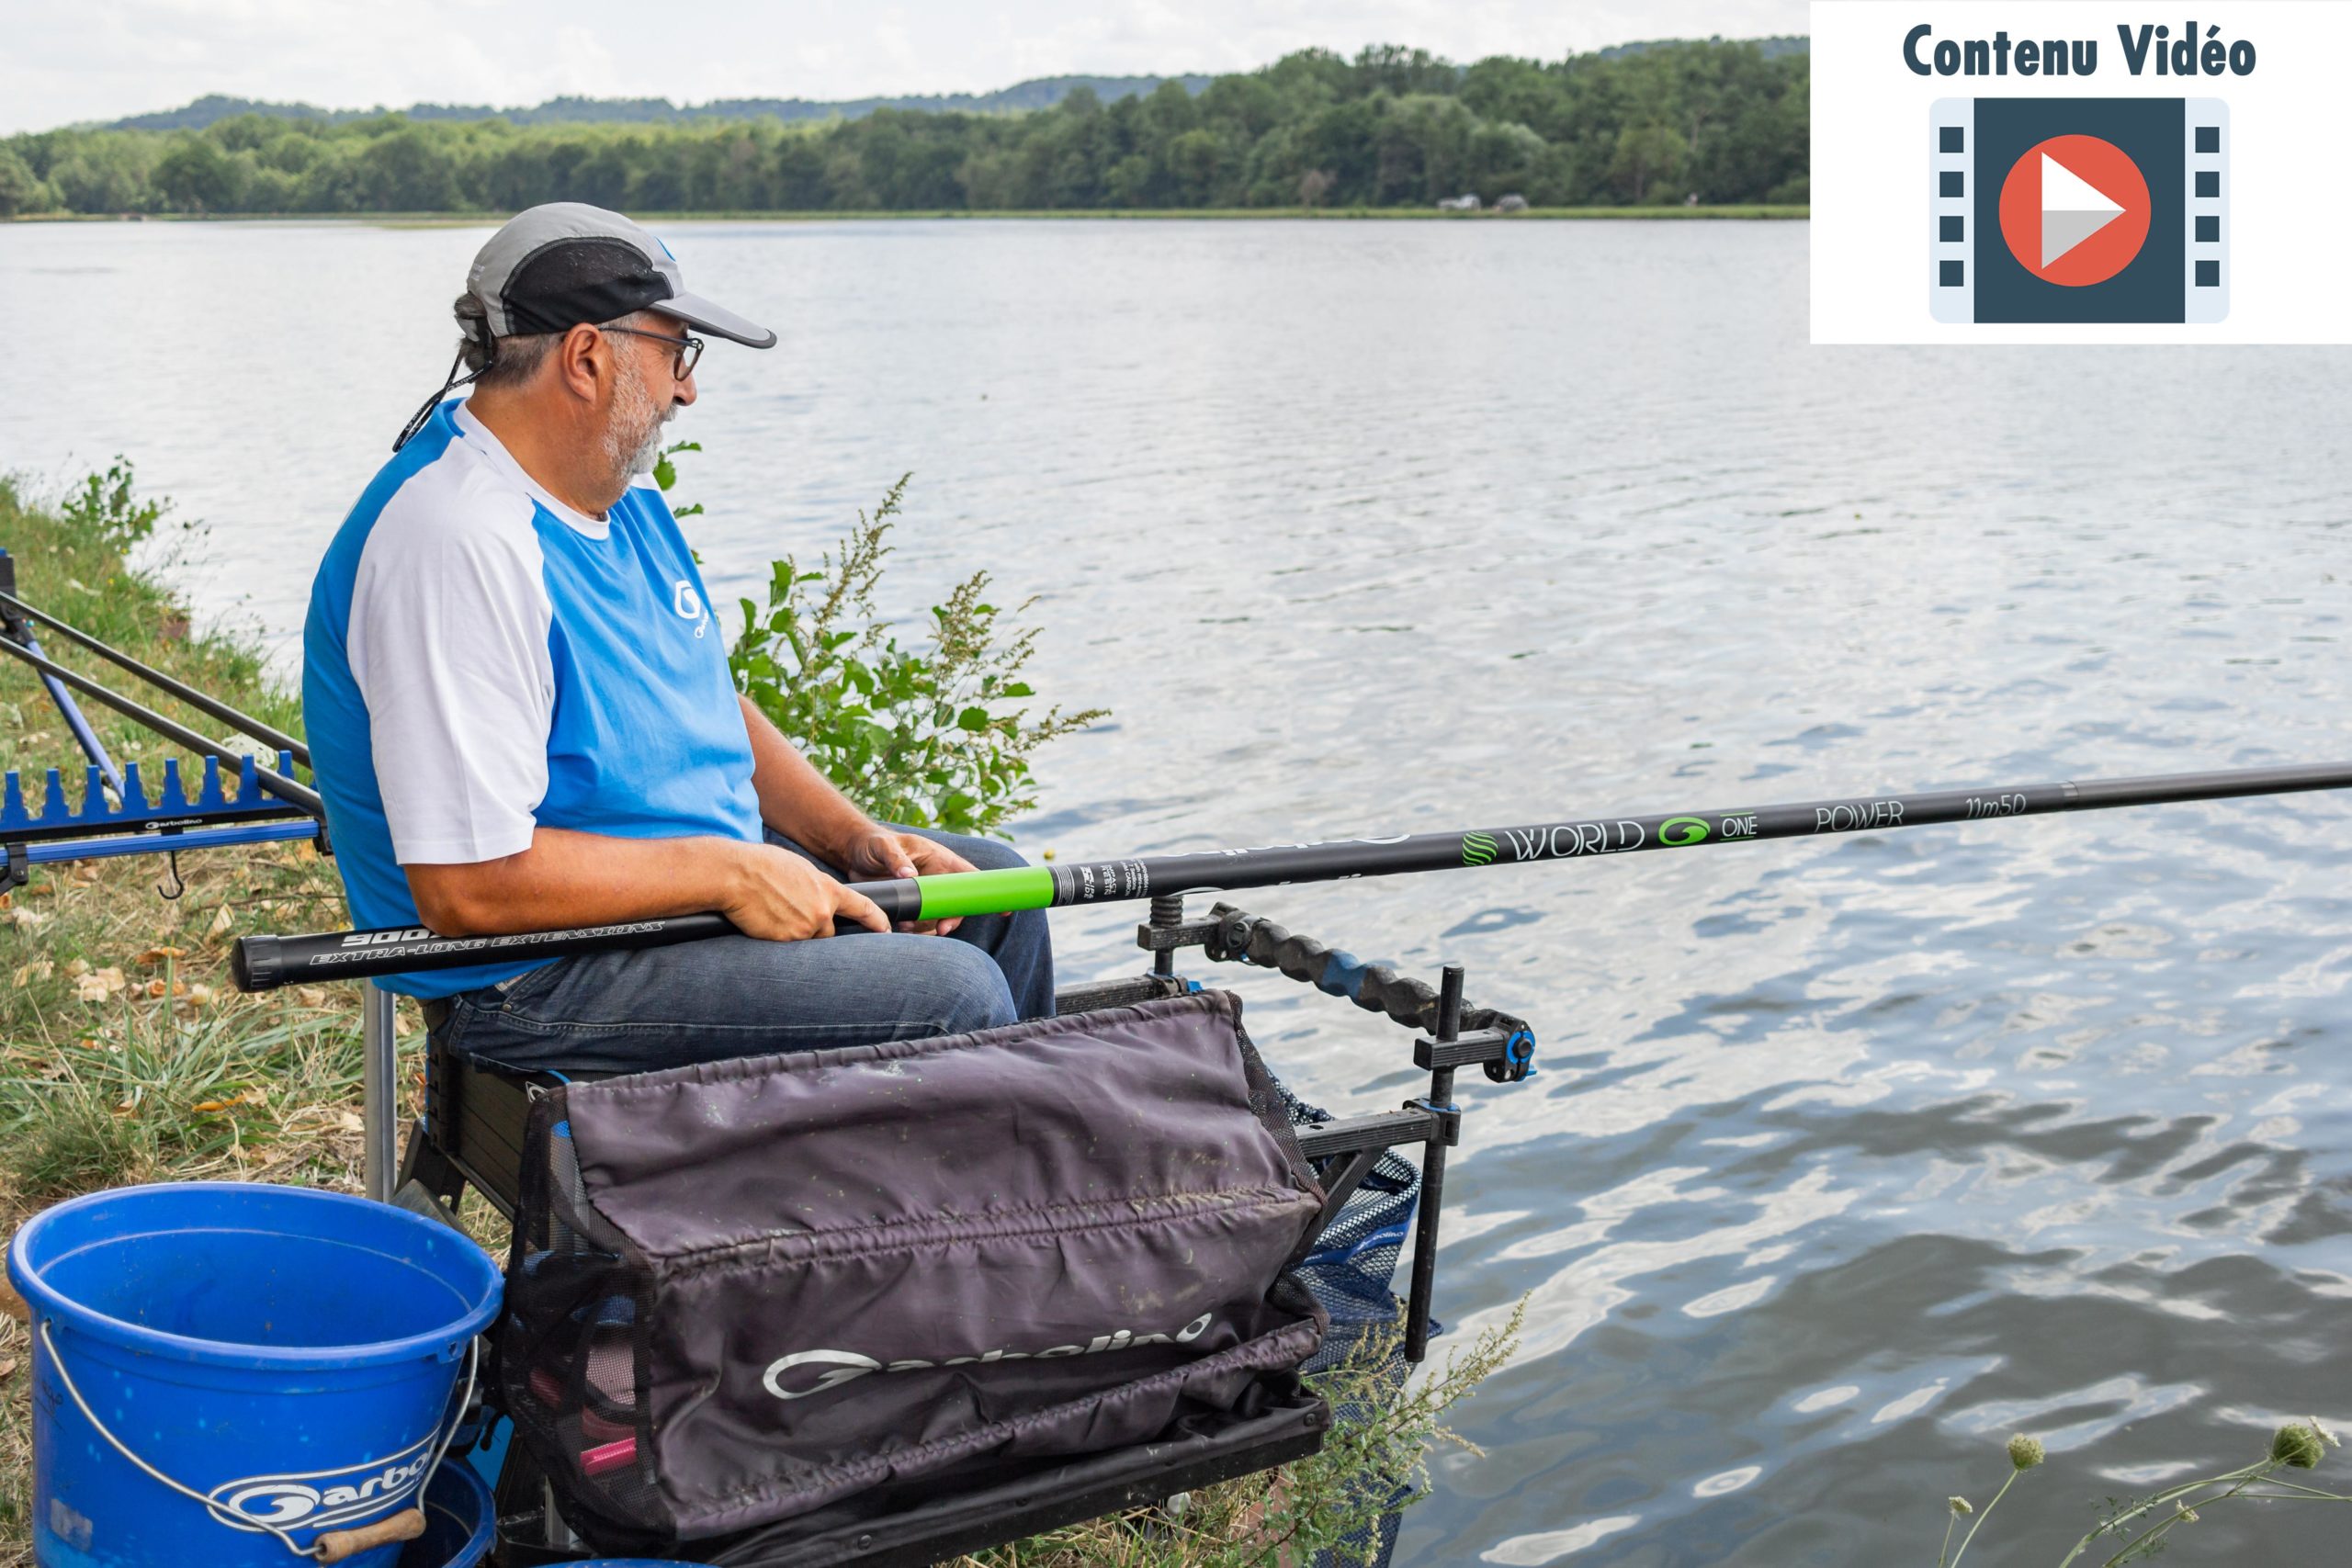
[(1848, 1158)]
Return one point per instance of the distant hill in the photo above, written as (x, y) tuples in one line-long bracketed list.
[(1773, 48), (1043, 93)]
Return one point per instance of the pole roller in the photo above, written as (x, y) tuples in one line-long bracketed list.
[(261, 962)]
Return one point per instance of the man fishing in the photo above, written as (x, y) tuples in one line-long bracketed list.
[(520, 710)]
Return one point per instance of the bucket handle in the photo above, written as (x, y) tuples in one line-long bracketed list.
[(332, 1546)]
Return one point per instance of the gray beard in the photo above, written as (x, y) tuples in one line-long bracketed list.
[(635, 434)]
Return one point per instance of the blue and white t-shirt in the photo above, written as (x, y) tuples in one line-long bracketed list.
[(480, 659)]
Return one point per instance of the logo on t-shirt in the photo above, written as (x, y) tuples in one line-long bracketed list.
[(689, 606)]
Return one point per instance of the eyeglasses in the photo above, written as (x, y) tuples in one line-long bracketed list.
[(688, 349)]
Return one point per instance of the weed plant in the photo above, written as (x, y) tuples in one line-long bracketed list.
[(933, 737), (2136, 1529)]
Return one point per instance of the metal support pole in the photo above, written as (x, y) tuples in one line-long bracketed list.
[(1167, 910), (55, 852), (71, 711), (1417, 1316), (379, 1106), (14, 625)]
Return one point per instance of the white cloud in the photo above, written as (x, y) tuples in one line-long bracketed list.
[(68, 63)]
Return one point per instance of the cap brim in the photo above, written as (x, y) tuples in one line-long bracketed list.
[(697, 312)]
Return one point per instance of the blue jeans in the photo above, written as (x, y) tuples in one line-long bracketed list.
[(735, 996)]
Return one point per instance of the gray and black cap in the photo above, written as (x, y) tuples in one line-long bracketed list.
[(556, 265), (552, 267)]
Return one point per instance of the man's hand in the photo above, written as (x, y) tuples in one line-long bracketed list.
[(778, 897), (878, 854), (569, 879)]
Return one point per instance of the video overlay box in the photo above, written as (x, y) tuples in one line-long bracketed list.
[(2079, 209)]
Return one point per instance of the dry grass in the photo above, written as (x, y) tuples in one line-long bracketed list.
[(16, 1444)]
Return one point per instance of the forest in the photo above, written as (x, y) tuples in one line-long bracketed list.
[(1709, 122)]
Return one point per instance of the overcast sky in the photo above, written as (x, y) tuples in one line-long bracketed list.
[(99, 60)]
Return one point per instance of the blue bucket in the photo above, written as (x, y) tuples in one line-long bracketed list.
[(460, 1522), (223, 1371)]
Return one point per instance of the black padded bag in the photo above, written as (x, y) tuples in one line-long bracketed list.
[(821, 1285)]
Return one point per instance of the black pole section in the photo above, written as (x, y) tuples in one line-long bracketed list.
[(1590, 838), (1441, 1104), (276, 740), (351, 955), (264, 962), (276, 783)]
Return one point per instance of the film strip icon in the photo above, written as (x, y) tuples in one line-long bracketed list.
[(1953, 177), (2079, 209), (2208, 125)]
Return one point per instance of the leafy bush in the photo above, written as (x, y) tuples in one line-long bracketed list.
[(935, 737), (106, 510)]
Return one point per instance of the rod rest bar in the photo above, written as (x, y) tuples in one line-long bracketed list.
[(1093, 996), (1165, 939), (44, 812), (1481, 1047), (1382, 1129)]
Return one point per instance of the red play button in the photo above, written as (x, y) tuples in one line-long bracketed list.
[(2075, 210)]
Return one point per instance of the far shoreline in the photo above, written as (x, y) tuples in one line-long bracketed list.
[(1740, 212)]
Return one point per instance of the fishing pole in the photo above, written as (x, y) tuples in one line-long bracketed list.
[(261, 962)]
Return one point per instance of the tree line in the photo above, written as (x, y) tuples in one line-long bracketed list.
[(1038, 92), (1715, 122)]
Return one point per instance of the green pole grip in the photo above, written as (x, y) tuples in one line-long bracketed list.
[(964, 893)]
